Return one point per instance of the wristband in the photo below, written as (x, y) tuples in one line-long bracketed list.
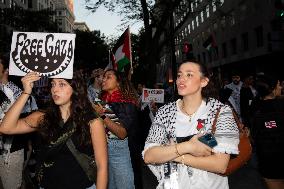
[(26, 93), (103, 117)]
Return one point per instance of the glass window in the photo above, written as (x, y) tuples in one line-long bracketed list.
[(201, 17), (207, 11), (224, 50), (234, 45), (245, 42), (259, 36)]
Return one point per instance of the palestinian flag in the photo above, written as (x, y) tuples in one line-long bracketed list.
[(209, 43), (121, 52)]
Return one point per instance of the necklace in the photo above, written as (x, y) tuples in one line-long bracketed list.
[(188, 114)]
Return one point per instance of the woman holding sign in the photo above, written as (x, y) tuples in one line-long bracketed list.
[(178, 149), (68, 119)]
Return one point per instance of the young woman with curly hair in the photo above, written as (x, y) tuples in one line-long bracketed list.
[(120, 119), (69, 116)]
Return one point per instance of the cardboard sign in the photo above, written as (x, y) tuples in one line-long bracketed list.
[(155, 95), (50, 54)]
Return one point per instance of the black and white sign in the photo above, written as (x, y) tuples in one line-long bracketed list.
[(50, 54)]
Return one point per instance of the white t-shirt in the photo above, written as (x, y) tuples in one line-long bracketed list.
[(199, 179)]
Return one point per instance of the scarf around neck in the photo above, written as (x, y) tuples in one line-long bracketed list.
[(116, 96)]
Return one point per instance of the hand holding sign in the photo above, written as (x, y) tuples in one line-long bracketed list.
[(28, 81)]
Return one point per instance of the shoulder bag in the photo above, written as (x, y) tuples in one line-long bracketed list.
[(244, 146), (87, 163)]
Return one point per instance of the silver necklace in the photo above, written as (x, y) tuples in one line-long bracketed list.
[(189, 115)]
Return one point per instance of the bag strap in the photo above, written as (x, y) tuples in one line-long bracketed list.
[(237, 120), (215, 121), (76, 154)]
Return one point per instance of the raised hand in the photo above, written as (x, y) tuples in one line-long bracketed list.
[(28, 81)]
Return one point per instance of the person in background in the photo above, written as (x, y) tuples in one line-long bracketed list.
[(69, 117), (172, 150), (268, 131), (235, 86), (247, 95), (12, 147), (95, 86), (120, 119)]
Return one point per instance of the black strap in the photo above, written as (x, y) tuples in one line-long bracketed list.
[(78, 156)]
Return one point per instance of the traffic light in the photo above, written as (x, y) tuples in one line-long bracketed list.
[(279, 5)]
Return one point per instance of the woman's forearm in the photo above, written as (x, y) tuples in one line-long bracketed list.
[(117, 129), (11, 117), (216, 163), (101, 178), (160, 154)]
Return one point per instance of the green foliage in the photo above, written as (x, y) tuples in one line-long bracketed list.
[(16, 18), (91, 50)]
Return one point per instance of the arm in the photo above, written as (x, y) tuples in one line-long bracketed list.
[(100, 148), (116, 128), (216, 163), (11, 124), (162, 154)]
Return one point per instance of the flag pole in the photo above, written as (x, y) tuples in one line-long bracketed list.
[(131, 66)]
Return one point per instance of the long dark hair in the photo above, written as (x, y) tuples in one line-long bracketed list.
[(125, 86), (81, 112), (209, 90)]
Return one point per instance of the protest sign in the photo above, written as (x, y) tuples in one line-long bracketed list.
[(50, 54), (155, 95)]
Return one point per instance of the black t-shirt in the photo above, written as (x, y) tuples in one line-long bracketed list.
[(63, 171), (268, 126)]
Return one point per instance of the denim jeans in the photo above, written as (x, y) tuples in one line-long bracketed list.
[(120, 169)]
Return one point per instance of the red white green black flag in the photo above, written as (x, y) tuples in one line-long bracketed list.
[(121, 52)]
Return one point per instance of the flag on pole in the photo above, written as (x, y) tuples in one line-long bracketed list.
[(121, 52), (111, 61), (211, 45)]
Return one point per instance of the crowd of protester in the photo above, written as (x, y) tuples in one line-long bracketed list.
[(121, 127)]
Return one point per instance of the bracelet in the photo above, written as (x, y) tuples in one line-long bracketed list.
[(177, 153), (182, 159), (25, 93)]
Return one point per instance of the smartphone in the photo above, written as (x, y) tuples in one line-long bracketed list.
[(208, 139)]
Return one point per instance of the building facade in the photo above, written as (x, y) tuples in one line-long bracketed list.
[(64, 15), (81, 26), (229, 35)]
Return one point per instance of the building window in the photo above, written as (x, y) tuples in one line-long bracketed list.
[(204, 57), (213, 6), (259, 36), (234, 45), (232, 19), (197, 21), (245, 41), (209, 56), (224, 50), (192, 24), (188, 26), (201, 17), (207, 11)]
